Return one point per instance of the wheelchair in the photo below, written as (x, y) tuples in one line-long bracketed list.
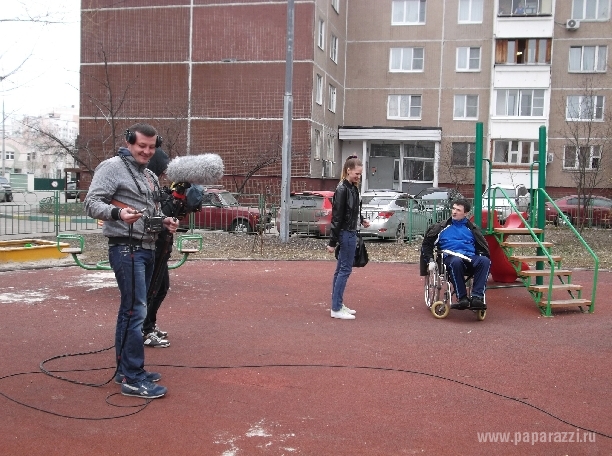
[(439, 290)]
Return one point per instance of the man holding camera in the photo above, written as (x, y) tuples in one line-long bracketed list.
[(125, 194)]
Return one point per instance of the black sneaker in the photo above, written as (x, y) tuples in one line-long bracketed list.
[(464, 303), (145, 389), (150, 376), (478, 303), (153, 340), (160, 333)]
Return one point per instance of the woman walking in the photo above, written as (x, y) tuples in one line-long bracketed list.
[(346, 217)]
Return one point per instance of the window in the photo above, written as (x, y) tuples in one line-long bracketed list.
[(521, 52), (520, 103), (336, 5), (468, 59), (584, 157), (419, 162), (9, 155), (321, 34), (584, 107), (470, 11), (524, 7), (330, 147), (466, 107), (332, 98), (515, 152), (317, 144), (404, 107), (319, 90), (408, 12), (406, 59), (31, 156), (333, 49), (464, 154), (588, 59), (590, 9)]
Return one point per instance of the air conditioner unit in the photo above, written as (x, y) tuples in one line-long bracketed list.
[(572, 24), (549, 158)]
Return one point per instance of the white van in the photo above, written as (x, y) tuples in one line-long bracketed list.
[(519, 194)]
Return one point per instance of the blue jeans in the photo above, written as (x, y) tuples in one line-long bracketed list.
[(348, 242), (133, 308), (458, 268)]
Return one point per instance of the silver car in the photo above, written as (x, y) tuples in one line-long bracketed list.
[(392, 215)]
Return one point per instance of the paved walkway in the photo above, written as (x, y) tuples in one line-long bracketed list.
[(257, 366)]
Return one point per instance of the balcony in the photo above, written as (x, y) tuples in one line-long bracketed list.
[(522, 8)]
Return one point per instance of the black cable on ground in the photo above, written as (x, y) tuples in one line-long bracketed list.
[(263, 366)]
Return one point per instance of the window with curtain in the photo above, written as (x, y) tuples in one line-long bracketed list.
[(332, 99), (470, 11), (468, 59), (319, 90), (321, 34), (406, 59), (404, 107), (333, 49), (591, 9), (588, 59), (466, 107), (317, 144), (584, 108), (406, 12), (520, 102)]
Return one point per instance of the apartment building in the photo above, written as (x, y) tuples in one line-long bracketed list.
[(401, 83)]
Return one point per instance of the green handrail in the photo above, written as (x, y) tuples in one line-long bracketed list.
[(584, 244)]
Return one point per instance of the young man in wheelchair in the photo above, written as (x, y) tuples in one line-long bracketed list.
[(465, 252)]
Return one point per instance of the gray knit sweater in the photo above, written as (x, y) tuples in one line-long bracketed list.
[(112, 180)]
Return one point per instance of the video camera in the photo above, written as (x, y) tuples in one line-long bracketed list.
[(180, 199)]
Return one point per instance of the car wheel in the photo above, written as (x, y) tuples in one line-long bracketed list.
[(241, 226), (561, 222), (400, 233)]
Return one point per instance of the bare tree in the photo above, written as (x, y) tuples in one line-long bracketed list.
[(588, 143), (252, 164), (457, 165)]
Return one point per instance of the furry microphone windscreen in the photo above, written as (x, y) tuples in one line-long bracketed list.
[(202, 169)]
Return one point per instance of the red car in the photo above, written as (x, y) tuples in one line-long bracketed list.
[(597, 212), (310, 213), (221, 211)]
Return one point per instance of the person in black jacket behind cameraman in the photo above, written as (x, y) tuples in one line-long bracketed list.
[(153, 336), (346, 216)]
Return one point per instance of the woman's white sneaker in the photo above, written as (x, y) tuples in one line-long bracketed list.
[(346, 309), (342, 314)]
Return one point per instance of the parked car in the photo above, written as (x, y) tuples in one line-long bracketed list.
[(598, 211), (221, 211), (6, 191), (72, 190), (310, 212), (436, 201), (392, 215), (519, 194)]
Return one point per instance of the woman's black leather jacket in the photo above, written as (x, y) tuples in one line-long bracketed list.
[(345, 210)]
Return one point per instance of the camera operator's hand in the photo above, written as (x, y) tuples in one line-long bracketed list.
[(171, 224), (129, 215)]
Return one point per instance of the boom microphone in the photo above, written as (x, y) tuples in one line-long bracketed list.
[(202, 169)]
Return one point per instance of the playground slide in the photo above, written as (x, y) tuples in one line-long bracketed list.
[(502, 270)]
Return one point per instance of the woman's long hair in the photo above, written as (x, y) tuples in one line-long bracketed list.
[(351, 162)]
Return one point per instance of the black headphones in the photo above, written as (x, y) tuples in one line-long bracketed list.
[(130, 137)]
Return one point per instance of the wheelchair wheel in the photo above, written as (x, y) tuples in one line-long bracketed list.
[(481, 314), (440, 309), (431, 288)]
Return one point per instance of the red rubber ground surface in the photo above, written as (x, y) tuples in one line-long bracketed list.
[(257, 366)]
